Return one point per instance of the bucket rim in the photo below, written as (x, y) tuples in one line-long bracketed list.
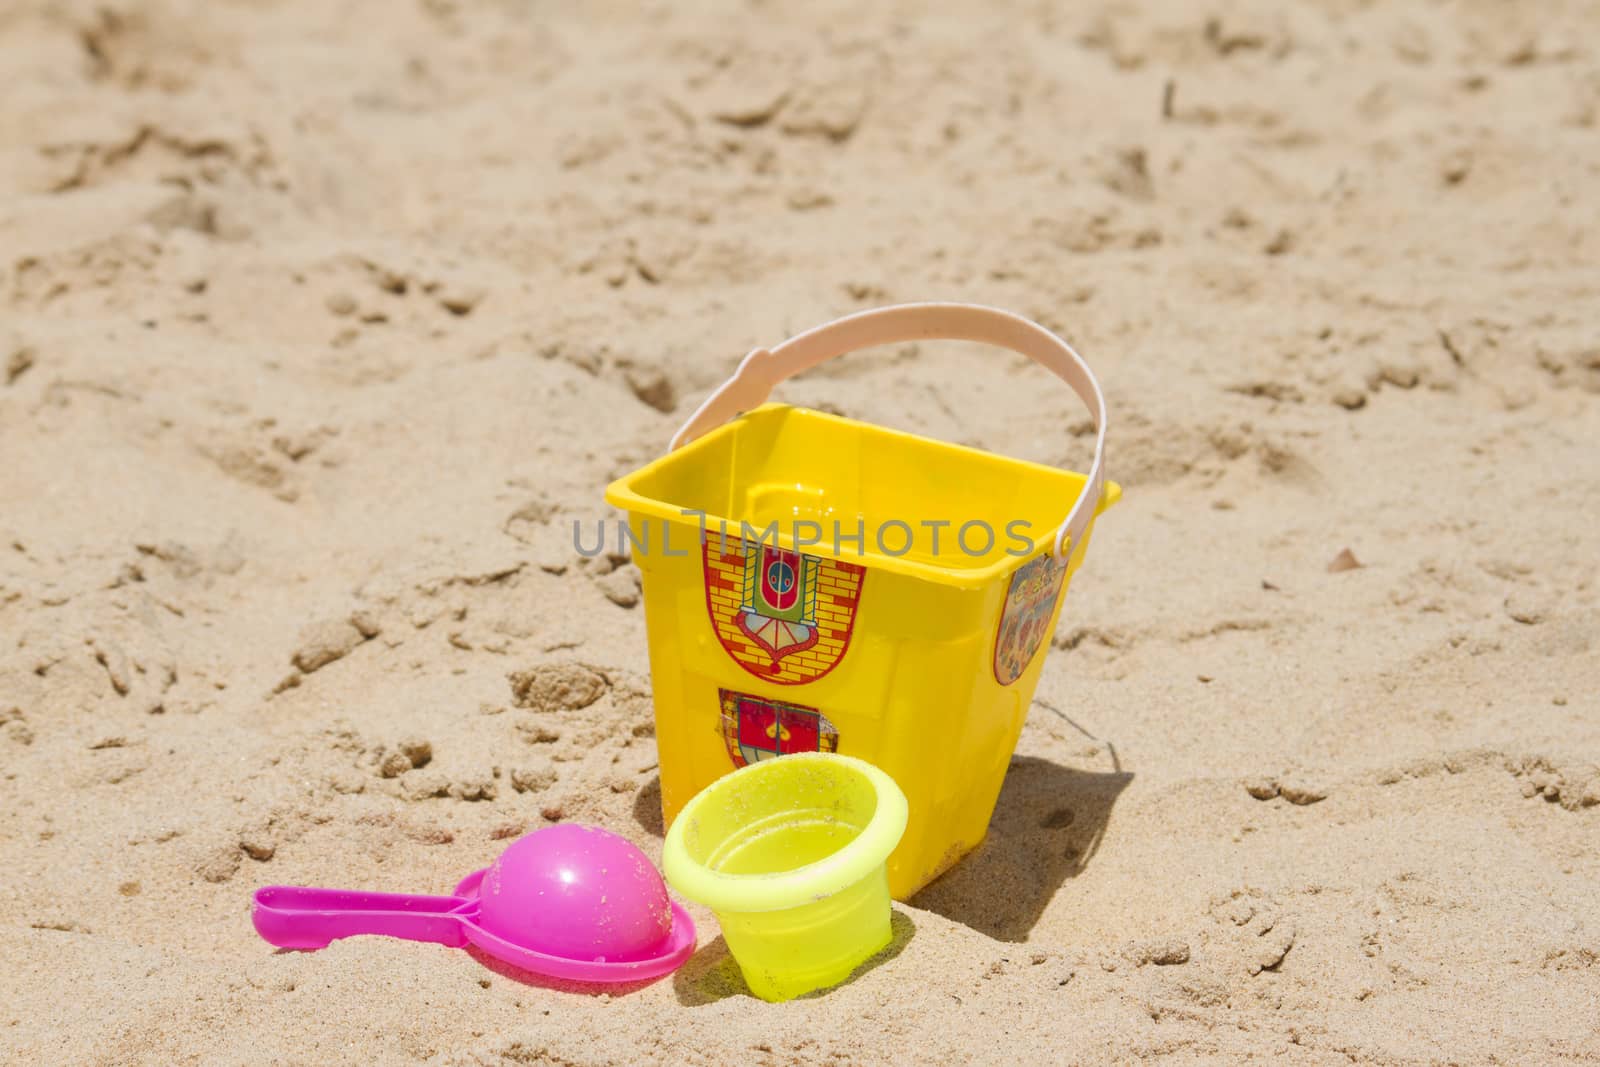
[(866, 853), (620, 493)]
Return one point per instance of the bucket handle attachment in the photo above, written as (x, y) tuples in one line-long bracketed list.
[(764, 368)]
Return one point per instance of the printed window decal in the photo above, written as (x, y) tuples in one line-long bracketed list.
[(784, 616)]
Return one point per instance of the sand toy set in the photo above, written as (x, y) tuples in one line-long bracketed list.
[(920, 658), (867, 604)]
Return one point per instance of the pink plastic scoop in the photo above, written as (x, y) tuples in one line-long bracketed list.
[(568, 901)]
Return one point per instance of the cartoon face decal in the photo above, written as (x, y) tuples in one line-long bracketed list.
[(1025, 621), (784, 616), (755, 728)]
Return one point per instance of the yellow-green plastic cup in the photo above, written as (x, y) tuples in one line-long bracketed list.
[(791, 855)]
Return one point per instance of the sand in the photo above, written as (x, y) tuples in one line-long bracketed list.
[(323, 322)]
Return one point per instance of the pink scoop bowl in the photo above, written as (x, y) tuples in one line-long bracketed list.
[(571, 902)]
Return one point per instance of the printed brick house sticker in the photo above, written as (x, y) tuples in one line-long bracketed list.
[(784, 616)]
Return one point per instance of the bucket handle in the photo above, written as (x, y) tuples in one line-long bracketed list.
[(764, 368)]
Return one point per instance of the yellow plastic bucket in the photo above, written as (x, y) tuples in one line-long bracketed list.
[(791, 855), (775, 629)]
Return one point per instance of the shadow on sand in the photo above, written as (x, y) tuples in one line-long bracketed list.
[(1046, 827), (647, 807), (711, 974)]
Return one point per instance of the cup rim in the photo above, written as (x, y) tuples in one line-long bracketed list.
[(749, 893)]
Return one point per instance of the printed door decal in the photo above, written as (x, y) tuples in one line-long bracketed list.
[(785, 617), (1025, 621), (756, 729)]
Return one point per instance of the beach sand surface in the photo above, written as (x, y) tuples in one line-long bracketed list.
[(321, 323)]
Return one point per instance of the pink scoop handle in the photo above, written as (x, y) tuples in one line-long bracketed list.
[(303, 917)]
